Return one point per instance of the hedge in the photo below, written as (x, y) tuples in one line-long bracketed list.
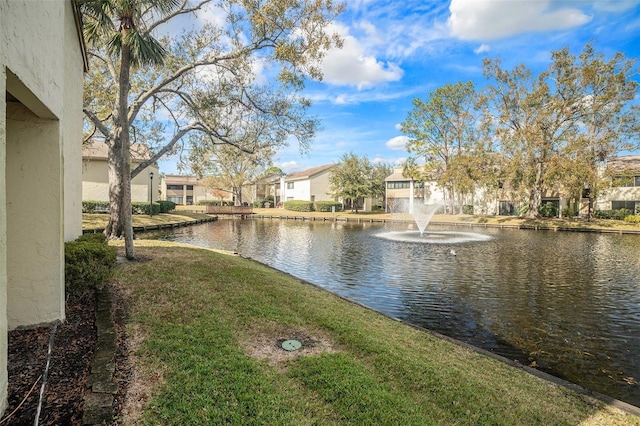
[(632, 219), (326, 206), (88, 261), (612, 214), (140, 207), (137, 207), (90, 206), (298, 205), (166, 206)]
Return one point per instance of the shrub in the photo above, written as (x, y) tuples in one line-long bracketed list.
[(568, 212), (166, 206), (612, 214), (548, 210), (467, 209), (326, 206), (298, 205), (632, 219), (90, 206), (140, 207), (88, 261)]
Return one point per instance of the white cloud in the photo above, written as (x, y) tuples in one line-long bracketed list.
[(288, 166), (397, 143), (490, 19), (352, 66), (481, 49)]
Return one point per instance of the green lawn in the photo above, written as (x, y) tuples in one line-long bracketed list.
[(205, 328), (100, 220)]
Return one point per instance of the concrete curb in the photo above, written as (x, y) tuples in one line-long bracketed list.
[(98, 401)]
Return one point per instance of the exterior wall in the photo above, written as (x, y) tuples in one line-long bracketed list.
[(319, 187), (3, 234), (622, 193), (95, 182), (301, 190), (40, 129), (199, 192), (314, 188)]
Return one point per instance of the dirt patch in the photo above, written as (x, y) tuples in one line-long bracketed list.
[(74, 344), (265, 344)]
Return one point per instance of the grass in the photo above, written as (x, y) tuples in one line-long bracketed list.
[(211, 324), (615, 225), (99, 221)]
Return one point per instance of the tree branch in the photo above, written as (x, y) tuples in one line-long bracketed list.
[(180, 11), (98, 123)]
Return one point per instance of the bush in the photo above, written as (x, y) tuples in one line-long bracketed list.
[(568, 212), (632, 219), (298, 205), (88, 261), (612, 214), (548, 210), (90, 206), (140, 207), (467, 209), (166, 206), (326, 206)]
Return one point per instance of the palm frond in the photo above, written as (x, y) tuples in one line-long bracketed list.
[(145, 50)]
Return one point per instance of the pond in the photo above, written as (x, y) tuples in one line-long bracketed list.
[(567, 303)]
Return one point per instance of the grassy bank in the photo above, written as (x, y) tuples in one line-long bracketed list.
[(206, 329), (601, 224), (99, 221)]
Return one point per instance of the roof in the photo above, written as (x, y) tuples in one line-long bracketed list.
[(309, 173), (629, 163), (98, 150), (396, 176)]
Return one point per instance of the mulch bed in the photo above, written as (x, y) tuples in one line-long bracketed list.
[(73, 348)]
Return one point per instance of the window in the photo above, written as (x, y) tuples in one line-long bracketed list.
[(289, 185), (174, 187), (398, 185), (189, 187), (629, 205), (175, 198), (189, 199), (626, 181)]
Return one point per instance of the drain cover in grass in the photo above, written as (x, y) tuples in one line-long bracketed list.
[(291, 345)]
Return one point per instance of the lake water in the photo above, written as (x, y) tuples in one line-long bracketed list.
[(568, 303)]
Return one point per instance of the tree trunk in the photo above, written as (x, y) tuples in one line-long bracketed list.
[(120, 222), (237, 195), (535, 197)]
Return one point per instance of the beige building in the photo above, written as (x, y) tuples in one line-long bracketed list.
[(42, 60), (625, 185), (308, 185), (189, 190), (95, 178)]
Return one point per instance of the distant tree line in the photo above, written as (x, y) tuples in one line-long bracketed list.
[(527, 133)]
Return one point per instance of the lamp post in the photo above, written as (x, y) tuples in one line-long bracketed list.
[(151, 194)]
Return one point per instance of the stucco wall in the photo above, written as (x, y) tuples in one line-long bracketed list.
[(3, 245), (319, 187), (40, 66), (95, 182)]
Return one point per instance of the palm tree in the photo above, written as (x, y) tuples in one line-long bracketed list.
[(118, 26)]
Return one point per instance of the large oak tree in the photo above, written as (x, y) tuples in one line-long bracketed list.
[(156, 90)]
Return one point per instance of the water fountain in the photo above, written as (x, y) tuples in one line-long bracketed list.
[(422, 215)]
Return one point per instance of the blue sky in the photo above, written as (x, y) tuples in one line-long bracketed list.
[(395, 51)]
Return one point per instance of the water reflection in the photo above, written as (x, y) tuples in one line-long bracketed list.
[(568, 302)]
